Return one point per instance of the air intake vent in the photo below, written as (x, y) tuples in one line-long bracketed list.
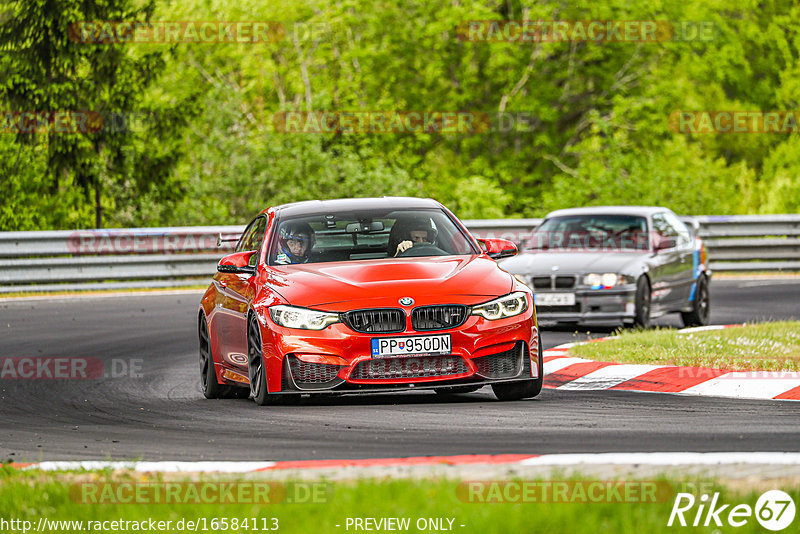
[(402, 368), (506, 364), (438, 317), (379, 320)]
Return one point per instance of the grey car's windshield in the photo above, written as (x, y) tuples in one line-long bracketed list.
[(367, 234), (591, 233)]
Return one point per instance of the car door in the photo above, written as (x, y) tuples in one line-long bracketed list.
[(667, 270), (684, 271), (236, 292)]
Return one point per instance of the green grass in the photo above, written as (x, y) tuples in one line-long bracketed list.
[(31, 495), (772, 346)]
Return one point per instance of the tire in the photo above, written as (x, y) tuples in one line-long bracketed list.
[(521, 390), (643, 303), (701, 306), (456, 390), (256, 372), (212, 389)]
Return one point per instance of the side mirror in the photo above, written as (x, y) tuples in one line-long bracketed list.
[(237, 263), (661, 242), (498, 248)]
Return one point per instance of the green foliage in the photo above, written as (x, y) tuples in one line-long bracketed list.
[(599, 112)]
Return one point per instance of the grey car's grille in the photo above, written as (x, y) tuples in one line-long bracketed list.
[(376, 320), (554, 282), (394, 368), (438, 317), (542, 282), (505, 364), (564, 282)]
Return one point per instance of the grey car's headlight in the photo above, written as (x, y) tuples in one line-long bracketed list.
[(606, 280), (303, 318), (500, 308)]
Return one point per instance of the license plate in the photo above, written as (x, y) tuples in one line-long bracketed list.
[(411, 346), (554, 299)]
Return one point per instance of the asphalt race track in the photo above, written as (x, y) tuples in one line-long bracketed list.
[(162, 415)]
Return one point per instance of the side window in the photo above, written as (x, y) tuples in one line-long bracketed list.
[(253, 235), (256, 237), (684, 237), (664, 229)]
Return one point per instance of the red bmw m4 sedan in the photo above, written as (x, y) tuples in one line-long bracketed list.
[(363, 296)]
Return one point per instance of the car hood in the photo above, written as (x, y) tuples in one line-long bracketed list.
[(341, 286), (572, 262)]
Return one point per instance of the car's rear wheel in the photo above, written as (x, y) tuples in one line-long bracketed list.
[(701, 308), (457, 390), (642, 303), (521, 390), (256, 370), (212, 389)]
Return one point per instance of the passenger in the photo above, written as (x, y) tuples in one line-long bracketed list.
[(295, 241)]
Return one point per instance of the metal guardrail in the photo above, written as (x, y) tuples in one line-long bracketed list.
[(164, 257)]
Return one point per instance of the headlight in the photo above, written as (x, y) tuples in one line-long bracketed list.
[(606, 280), (500, 308), (303, 318)]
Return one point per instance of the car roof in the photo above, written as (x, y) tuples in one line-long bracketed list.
[(641, 211), (308, 207)]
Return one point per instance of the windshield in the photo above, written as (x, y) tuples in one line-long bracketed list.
[(591, 233), (365, 235)]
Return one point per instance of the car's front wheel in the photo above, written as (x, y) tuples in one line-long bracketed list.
[(212, 389), (521, 390), (256, 370), (700, 306), (642, 303)]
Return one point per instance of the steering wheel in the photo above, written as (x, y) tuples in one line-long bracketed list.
[(422, 250)]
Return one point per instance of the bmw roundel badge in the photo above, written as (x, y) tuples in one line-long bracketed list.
[(406, 301)]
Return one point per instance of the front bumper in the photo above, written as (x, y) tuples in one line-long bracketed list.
[(592, 306), (338, 359)]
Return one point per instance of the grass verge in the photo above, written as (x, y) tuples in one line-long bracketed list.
[(772, 346), (31, 495)]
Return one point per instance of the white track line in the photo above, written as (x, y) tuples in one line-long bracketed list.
[(608, 377), (557, 364), (163, 467), (668, 458), (744, 385)]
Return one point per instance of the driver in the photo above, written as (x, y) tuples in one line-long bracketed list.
[(414, 232), (295, 241)]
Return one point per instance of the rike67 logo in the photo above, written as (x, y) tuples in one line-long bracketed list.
[(774, 510)]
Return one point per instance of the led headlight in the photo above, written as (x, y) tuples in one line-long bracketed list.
[(500, 308), (303, 318)]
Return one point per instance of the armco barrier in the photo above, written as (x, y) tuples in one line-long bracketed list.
[(165, 257)]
